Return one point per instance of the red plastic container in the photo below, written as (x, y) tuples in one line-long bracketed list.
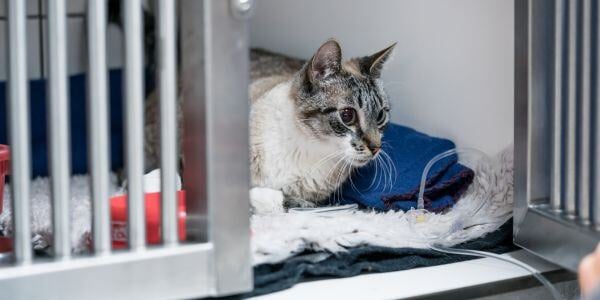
[(4, 166), (118, 212)]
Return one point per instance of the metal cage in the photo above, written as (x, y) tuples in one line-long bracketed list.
[(215, 260), (557, 130)]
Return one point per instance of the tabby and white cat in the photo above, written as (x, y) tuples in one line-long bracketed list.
[(311, 124)]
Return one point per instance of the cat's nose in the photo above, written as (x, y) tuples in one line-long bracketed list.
[(373, 143), (374, 149)]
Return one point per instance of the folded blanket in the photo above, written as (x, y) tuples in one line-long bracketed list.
[(392, 181), (270, 278)]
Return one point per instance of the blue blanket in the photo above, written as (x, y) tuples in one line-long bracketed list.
[(77, 93), (392, 180)]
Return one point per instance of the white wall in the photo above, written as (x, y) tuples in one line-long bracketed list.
[(452, 74)]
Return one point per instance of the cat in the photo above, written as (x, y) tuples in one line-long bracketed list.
[(313, 122)]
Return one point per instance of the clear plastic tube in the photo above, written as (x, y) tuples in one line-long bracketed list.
[(458, 224), (325, 209), (551, 289), (435, 159), (420, 214)]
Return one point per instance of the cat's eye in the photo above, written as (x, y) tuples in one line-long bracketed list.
[(381, 118), (348, 115)]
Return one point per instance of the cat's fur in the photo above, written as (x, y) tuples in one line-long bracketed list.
[(298, 142)]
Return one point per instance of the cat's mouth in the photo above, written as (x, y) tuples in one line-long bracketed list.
[(361, 160)]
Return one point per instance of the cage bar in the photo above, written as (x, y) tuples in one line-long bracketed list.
[(556, 166), (99, 143), (18, 118), (584, 116), (134, 122), (596, 114), (168, 118), (570, 130), (58, 123)]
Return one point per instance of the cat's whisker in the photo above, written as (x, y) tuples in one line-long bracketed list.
[(375, 176), (341, 159), (386, 173), (388, 178), (352, 182), (332, 173), (345, 174), (393, 167), (316, 166), (378, 170)]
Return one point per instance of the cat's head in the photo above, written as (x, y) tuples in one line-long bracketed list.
[(344, 102)]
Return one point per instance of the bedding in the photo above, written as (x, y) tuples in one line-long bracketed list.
[(310, 265)]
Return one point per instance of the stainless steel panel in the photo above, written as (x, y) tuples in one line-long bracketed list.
[(97, 113), (166, 273), (537, 37), (134, 122), (58, 123), (567, 244), (168, 117), (18, 120), (214, 67), (522, 152)]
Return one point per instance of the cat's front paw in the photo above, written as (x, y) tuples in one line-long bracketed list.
[(41, 242), (297, 203), (266, 201)]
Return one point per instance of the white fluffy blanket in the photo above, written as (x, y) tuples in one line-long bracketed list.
[(278, 236)]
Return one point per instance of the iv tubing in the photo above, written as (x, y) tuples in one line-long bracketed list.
[(421, 207)]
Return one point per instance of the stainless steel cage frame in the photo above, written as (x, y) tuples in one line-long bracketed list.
[(557, 128), (214, 60)]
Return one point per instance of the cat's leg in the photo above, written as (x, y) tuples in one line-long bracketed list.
[(292, 202), (266, 201)]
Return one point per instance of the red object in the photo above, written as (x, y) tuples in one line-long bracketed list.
[(118, 212), (5, 244), (4, 166)]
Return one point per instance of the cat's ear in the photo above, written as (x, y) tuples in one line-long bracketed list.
[(374, 64), (326, 61)]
